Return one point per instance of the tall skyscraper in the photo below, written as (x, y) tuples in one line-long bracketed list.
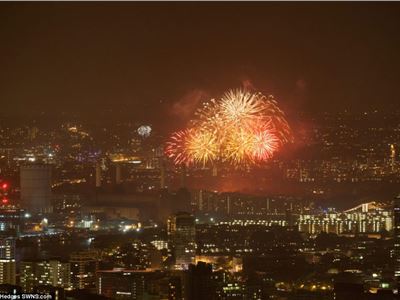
[(84, 266), (11, 218), (44, 273), (396, 237), (7, 261), (182, 233), (36, 187)]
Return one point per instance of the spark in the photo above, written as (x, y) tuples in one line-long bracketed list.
[(241, 128)]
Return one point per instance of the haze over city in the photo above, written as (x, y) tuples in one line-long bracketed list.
[(199, 150)]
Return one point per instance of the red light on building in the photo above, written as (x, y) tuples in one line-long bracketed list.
[(4, 186), (4, 201)]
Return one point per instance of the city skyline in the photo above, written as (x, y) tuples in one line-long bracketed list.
[(199, 151)]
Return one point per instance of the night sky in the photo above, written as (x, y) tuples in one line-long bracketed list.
[(156, 61)]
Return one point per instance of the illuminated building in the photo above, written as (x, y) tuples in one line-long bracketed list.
[(84, 266), (365, 218), (181, 232), (232, 291), (7, 261), (44, 273), (11, 220), (36, 187), (204, 201), (160, 244), (122, 284), (396, 237)]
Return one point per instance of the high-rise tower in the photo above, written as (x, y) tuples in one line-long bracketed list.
[(181, 232), (7, 261)]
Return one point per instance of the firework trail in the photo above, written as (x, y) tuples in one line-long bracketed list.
[(177, 149), (202, 146), (241, 128)]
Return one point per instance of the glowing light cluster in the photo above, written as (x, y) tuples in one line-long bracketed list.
[(144, 130), (241, 128)]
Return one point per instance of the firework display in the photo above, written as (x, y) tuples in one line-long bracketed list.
[(241, 128), (144, 130)]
